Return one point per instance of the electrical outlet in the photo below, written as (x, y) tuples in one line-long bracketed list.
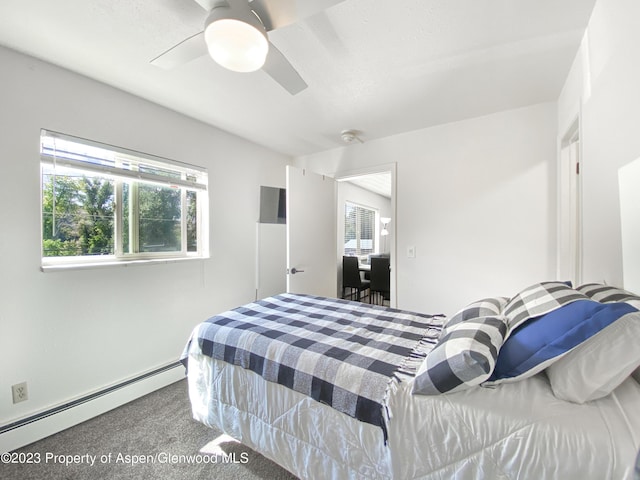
[(20, 392), (411, 252)]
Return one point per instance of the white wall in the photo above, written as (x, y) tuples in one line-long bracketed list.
[(477, 200), (271, 259), (604, 85), (629, 180), (73, 332)]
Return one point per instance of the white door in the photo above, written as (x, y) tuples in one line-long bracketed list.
[(311, 233)]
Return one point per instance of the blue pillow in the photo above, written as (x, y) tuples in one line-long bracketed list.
[(539, 342)]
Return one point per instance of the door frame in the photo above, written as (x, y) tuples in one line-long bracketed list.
[(343, 175), (570, 258)]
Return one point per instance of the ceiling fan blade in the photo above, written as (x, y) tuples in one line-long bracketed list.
[(187, 50), (279, 68), (279, 13)]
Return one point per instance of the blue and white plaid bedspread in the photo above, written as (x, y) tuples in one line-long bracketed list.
[(344, 354)]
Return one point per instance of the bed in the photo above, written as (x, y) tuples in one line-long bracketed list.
[(306, 418)]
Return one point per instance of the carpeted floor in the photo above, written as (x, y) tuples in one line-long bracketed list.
[(158, 428)]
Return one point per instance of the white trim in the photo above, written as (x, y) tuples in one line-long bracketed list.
[(116, 263), (39, 429)]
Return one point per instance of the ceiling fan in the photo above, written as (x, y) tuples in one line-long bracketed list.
[(235, 36)]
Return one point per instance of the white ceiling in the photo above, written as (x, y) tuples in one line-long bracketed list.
[(379, 183), (381, 67)]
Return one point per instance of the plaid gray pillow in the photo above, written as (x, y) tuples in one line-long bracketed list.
[(537, 300), (486, 307), (607, 294), (465, 356)]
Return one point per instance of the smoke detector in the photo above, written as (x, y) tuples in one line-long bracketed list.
[(349, 136)]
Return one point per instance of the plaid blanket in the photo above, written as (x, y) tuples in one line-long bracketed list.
[(348, 355)]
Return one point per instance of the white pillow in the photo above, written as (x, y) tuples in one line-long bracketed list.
[(596, 367)]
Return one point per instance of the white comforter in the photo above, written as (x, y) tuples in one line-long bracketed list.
[(515, 431)]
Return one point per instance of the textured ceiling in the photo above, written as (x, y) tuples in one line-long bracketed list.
[(378, 66)]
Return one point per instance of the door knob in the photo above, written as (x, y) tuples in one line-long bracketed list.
[(295, 270)]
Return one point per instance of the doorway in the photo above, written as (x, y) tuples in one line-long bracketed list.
[(371, 189)]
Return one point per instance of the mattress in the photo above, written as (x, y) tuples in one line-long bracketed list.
[(516, 430)]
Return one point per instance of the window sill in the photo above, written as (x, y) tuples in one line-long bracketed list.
[(116, 263)]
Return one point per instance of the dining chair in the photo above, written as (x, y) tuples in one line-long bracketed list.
[(351, 277), (380, 279)]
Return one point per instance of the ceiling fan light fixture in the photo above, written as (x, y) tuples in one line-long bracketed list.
[(236, 44)]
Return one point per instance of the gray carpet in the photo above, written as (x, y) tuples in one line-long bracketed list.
[(157, 425)]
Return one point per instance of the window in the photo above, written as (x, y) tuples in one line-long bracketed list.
[(104, 204), (359, 229)]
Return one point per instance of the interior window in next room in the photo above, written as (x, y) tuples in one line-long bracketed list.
[(359, 230)]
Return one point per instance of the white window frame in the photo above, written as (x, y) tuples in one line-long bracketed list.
[(124, 169), (375, 247)]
